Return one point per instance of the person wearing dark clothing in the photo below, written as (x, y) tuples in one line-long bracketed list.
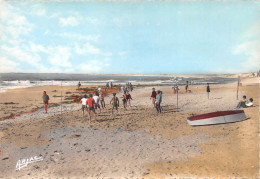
[(131, 87), (158, 102), (242, 103), (128, 98), (187, 87), (115, 102), (153, 96), (124, 100), (208, 90)]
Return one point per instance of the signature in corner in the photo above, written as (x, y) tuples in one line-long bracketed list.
[(24, 162)]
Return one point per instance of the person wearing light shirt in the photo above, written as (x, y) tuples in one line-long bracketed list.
[(84, 105), (250, 103), (97, 101)]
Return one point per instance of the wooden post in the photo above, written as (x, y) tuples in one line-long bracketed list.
[(238, 83), (61, 97), (177, 91), (177, 97)]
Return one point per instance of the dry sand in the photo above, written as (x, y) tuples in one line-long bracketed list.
[(134, 143), (20, 100)]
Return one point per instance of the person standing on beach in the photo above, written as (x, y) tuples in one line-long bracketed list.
[(102, 100), (46, 99), (208, 89), (99, 89), (187, 87), (122, 89), (131, 87), (128, 98), (158, 102), (84, 105), (115, 102), (97, 100), (124, 101), (79, 85), (91, 102), (153, 96)]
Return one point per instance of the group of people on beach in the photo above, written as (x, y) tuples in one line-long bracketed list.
[(109, 85), (126, 87), (92, 103), (245, 103)]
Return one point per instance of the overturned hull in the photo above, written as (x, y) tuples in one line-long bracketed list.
[(219, 117)]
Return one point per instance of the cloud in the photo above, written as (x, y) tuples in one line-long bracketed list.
[(251, 50), (122, 21), (87, 49), (17, 20), (59, 56), (253, 31), (89, 68), (13, 23), (14, 32), (92, 20), (54, 15), (36, 48), (22, 55), (38, 10), (94, 66), (70, 21), (122, 53), (78, 37), (7, 65), (108, 54)]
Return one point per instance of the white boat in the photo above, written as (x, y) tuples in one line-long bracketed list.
[(219, 117)]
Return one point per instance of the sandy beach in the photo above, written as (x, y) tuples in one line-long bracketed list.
[(136, 143)]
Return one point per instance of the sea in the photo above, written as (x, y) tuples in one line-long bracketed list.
[(25, 80)]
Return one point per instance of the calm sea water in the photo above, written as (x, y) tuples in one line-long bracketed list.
[(24, 80)]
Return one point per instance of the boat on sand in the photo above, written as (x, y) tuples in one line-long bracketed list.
[(219, 117)]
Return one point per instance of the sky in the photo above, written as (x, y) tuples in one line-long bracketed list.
[(142, 37)]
